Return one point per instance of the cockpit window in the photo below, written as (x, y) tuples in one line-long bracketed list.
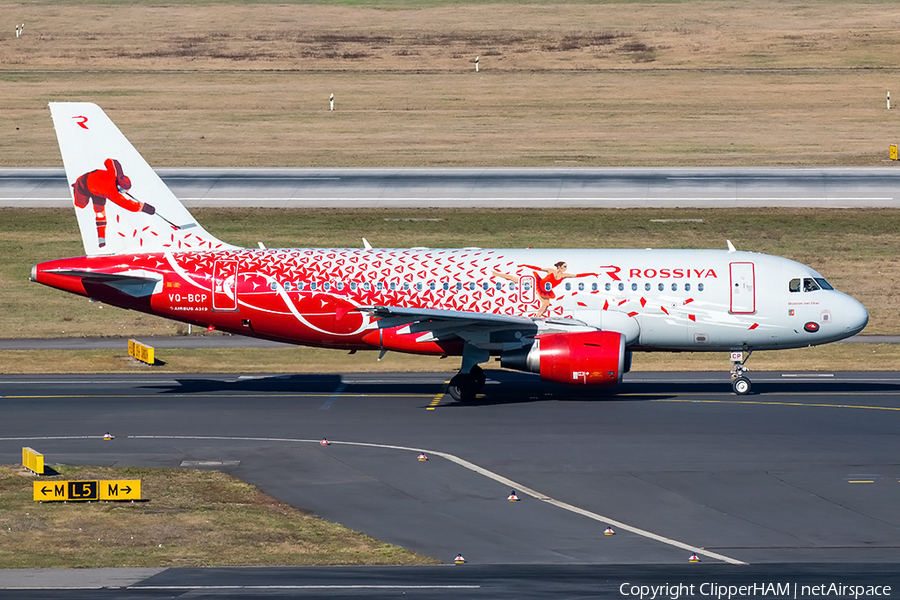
[(794, 285), (810, 285), (824, 284)]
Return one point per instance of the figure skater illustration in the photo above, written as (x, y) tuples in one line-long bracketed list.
[(554, 276)]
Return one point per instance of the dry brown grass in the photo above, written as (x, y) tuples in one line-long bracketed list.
[(700, 82), (191, 518)]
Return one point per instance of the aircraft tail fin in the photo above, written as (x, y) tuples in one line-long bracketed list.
[(122, 205)]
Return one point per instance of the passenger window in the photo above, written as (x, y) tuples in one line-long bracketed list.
[(379, 286), (500, 286), (646, 287), (340, 285), (326, 286), (352, 286), (431, 286), (472, 286), (526, 285), (568, 287), (512, 286), (687, 287), (810, 285), (633, 287), (662, 286), (621, 287), (312, 286), (580, 287), (794, 285), (367, 286), (300, 286), (699, 287), (608, 286), (674, 287), (273, 286), (446, 286), (458, 286), (419, 286), (595, 287), (287, 286), (486, 286), (405, 286), (547, 287)]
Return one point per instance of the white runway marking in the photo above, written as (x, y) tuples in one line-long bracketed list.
[(481, 471)]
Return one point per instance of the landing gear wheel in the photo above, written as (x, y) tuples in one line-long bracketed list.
[(478, 376), (741, 386), (463, 387)]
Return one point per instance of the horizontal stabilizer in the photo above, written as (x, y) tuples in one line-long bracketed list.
[(137, 284)]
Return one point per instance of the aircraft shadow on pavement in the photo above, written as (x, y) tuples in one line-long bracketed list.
[(509, 387)]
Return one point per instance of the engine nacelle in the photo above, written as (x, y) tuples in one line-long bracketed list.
[(586, 358)]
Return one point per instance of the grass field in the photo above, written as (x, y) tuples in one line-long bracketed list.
[(696, 82), (191, 518)]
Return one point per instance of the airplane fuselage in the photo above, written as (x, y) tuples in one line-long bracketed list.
[(678, 300)]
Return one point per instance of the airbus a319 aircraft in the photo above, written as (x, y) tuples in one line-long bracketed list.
[(574, 316)]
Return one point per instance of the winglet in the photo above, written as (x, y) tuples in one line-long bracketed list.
[(730, 246), (366, 244)]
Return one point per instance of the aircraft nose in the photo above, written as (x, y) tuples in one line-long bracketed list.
[(855, 316)]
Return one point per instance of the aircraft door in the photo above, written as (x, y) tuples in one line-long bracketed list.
[(743, 287), (225, 284), (526, 292)]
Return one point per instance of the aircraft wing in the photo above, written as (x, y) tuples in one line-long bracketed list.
[(484, 330)]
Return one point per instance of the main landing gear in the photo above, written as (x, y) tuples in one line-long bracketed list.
[(464, 386), (470, 378), (740, 383)]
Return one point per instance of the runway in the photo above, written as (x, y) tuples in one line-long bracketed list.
[(799, 480), (494, 187), (805, 471)]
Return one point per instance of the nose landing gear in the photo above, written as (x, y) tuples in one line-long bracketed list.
[(740, 383)]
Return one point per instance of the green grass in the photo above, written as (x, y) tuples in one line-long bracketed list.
[(190, 518)]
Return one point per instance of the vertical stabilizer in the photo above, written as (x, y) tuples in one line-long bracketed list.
[(122, 205)]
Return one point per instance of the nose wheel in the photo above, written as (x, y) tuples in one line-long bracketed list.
[(740, 383), (741, 386)]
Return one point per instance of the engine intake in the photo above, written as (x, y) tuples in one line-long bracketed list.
[(585, 358)]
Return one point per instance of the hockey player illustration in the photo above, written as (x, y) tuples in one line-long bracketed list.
[(101, 185), (554, 276)]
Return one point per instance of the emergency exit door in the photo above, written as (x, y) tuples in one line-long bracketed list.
[(743, 287)]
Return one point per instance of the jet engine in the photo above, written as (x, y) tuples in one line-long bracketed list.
[(586, 358)]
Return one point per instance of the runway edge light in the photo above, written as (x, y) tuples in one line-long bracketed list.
[(609, 531), (694, 558), (422, 457), (513, 497), (324, 442), (459, 559)]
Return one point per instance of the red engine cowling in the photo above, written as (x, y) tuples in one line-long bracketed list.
[(586, 358)]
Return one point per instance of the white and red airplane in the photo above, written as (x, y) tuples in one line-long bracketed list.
[(573, 316)]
